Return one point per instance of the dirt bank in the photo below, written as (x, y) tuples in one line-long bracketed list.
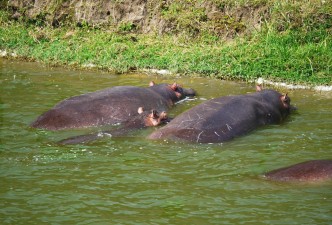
[(167, 16)]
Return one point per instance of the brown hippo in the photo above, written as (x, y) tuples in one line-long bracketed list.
[(309, 171), (222, 119), (110, 106), (141, 120)]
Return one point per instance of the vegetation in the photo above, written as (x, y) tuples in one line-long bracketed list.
[(292, 43)]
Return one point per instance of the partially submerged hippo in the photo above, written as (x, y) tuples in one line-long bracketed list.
[(141, 120), (222, 119), (110, 106), (309, 171)]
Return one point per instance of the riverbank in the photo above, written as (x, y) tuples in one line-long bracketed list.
[(300, 55)]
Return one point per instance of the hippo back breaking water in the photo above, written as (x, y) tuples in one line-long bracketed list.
[(309, 171), (225, 118), (110, 106)]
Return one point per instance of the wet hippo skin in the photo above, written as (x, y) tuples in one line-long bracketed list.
[(309, 171), (110, 106), (222, 119), (141, 120)]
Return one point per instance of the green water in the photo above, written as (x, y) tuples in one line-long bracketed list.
[(132, 180)]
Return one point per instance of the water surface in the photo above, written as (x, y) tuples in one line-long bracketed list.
[(131, 180)]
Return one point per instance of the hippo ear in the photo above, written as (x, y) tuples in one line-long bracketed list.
[(152, 83), (259, 82), (174, 86), (259, 87), (284, 97), (140, 110), (285, 100)]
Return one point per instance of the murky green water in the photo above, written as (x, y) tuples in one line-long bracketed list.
[(136, 181)]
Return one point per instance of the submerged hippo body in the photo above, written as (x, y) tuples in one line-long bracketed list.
[(139, 121), (109, 106), (225, 118), (309, 171)]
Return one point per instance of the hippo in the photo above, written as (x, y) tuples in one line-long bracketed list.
[(309, 171), (222, 119), (141, 120), (110, 106)]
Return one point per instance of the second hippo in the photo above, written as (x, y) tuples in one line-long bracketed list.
[(141, 120), (222, 119)]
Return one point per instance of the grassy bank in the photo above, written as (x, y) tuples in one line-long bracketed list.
[(295, 55)]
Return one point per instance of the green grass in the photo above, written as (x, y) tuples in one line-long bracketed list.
[(280, 51)]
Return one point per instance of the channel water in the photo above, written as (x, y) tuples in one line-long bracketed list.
[(132, 180)]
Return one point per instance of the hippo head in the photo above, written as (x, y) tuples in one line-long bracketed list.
[(281, 100), (173, 91), (285, 104), (182, 92), (153, 118)]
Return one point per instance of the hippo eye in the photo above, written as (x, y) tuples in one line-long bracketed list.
[(178, 89)]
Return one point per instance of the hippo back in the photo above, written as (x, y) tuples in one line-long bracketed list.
[(309, 171), (224, 118), (108, 106)]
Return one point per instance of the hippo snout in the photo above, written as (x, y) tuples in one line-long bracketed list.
[(189, 92)]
